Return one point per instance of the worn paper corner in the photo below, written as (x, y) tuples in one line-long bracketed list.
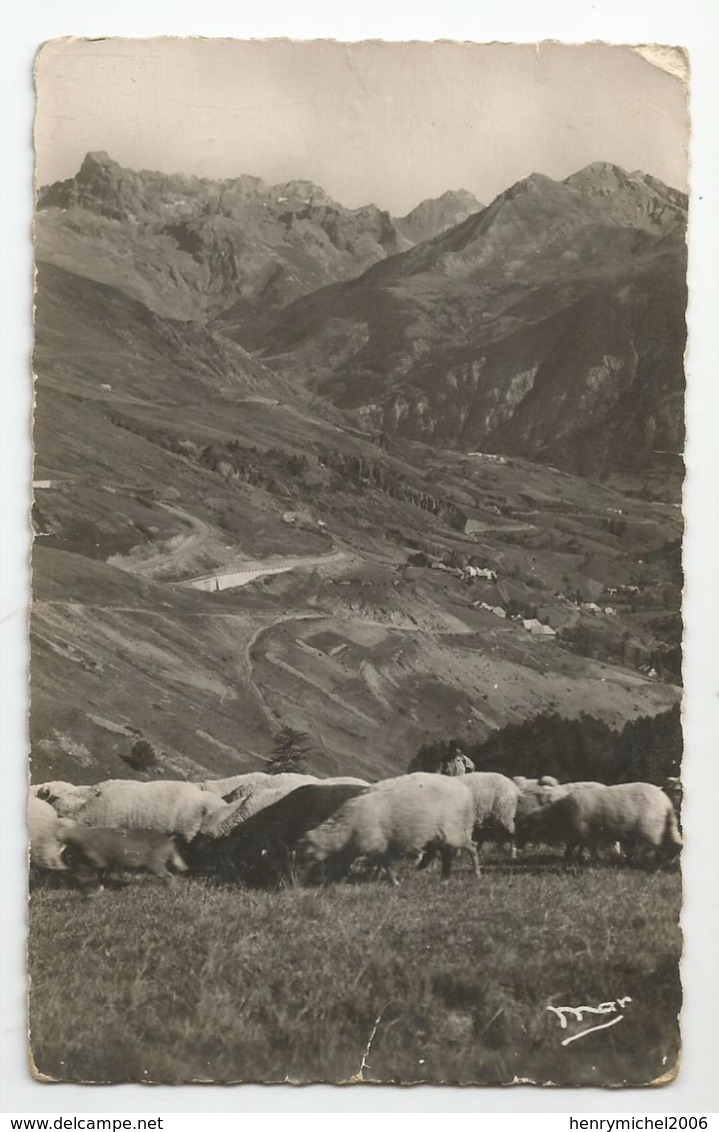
[(672, 59)]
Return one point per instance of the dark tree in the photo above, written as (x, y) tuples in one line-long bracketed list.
[(650, 748), (290, 751), (419, 559), (647, 749), (430, 756), (142, 756)]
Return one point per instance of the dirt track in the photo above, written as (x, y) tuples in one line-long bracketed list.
[(175, 552)]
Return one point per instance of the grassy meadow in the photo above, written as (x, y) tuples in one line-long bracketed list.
[(429, 982)]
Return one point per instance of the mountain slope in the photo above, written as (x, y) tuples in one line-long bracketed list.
[(550, 324), (164, 451)]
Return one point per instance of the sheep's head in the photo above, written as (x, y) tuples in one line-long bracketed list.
[(47, 795)]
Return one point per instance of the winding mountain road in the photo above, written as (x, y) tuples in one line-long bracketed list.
[(174, 552)]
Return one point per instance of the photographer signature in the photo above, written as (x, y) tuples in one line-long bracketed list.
[(578, 1012)]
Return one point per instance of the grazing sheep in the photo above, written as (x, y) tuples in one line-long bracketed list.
[(495, 802), (251, 802), (260, 851), (635, 814), (220, 822), (168, 807), (495, 805), (534, 797), (44, 828), (245, 790), (89, 851), (64, 797), (223, 786), (545, 780), (398, 817), (675, 792), (234, 813), (248, 799)]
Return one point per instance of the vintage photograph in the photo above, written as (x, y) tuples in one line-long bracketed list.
[(356, 628)]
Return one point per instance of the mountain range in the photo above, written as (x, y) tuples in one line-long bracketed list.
[(549, 324)]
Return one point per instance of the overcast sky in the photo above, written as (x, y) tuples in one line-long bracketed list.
[(369, 122)]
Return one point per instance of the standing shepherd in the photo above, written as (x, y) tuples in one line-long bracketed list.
[(456, 762)]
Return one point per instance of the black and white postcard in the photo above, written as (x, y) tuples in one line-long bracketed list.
[(356, 632)]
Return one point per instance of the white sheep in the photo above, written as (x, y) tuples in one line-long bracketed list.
[(44, 829), (495, 802), (223, 786), (495, 799), (635, 814), (246, 790), (533, 797), (64, 797), (396, 818), (249, 798), (247, 802), (168, 807)]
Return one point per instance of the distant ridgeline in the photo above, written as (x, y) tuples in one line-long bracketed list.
[(647, 749), (549, 324)]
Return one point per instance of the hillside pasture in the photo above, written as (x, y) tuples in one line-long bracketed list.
[(431, 982)]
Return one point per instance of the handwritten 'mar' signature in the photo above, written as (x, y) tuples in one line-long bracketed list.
[(578, 1012)]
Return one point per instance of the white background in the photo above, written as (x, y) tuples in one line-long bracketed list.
[(687, 23)]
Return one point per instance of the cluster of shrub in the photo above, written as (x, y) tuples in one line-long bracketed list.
[(647, 749), (272, 468)]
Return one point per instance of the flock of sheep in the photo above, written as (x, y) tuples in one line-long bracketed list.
[(265, 829)]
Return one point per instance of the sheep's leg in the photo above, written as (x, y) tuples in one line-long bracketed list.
[(391, 875), (288, 871), (428, 855), (472, 850), (336, 868), (447, 855), (85, 877), (570, 852), (159, 866)]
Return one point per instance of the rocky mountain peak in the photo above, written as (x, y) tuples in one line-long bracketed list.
[(94, 161), (600, 174)]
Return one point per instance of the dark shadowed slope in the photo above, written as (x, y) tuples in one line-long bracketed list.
[(550, 324)]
